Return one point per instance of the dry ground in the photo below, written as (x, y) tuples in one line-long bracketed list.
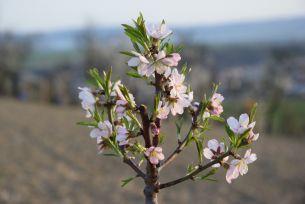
[(46, 158)]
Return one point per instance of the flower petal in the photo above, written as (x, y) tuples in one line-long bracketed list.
[(154, 160), (232, 173), (95, 133), (133, 62), (244, 120), (208, 153), (233, 124), (213, 144)]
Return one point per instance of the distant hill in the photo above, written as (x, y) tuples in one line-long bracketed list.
[(271, 31), (280, 31)]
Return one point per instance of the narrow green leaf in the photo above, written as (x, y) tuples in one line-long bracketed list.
[(199, 147), (253, 112), (110, 155), (127, 53), (134, 74), (210, 173), (126, 181), (230, 134), (84, 123), (217, 118)]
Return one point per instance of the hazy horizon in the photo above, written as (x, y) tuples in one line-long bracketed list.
[(44, 16)]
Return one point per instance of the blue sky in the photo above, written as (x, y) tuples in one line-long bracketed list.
[(48, 15)]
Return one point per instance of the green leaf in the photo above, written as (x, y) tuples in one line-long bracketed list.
[(184, 69), (217, 118), (96, 76), (210, 173), (242, 137), (161, 138), (114, 146), (110, 155), (190, 168), (253, 112), (134, 74), (84, 123), (127, 53), (230, 134), (199, 147), (126, 181), (179, 124)]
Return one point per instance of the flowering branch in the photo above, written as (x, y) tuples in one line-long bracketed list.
[(194, 173), (112, 111), (146, 123), (182, 143), (176, 151)]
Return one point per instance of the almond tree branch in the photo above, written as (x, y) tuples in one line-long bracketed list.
[(146, 124), (194, 173), (129, 162), (182, 144), (175, 153)]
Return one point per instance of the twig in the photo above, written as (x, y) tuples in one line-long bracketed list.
[(180, 147), (194, 173), (146, 124), (182, 144), (139, 172)]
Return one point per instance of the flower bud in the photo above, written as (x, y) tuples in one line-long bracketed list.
[(154, 129)]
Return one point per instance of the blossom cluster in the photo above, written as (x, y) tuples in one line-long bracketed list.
[(115, 114), (239, 165), (105, 129), (178, 97)]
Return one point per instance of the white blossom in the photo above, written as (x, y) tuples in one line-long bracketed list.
[(122, 135), (104, 130), (241, 125), (121, 102), (87, 100), (177, 105), (214, 150), (158, 31), (176, 83), (240, 166), (164, 63), (144, 67)]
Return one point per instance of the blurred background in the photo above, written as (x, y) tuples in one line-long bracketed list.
[(255, 49)]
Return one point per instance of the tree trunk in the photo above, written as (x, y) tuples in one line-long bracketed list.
[(151, 197), (150, 190)]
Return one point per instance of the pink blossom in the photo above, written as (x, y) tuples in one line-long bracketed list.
[(215, 106), (172, 60), (214, 150), (154, 129), (240, 166), (252, 136), (154, 154), (162, 111)]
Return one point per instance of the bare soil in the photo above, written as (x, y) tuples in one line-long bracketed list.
[(46, 158)]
